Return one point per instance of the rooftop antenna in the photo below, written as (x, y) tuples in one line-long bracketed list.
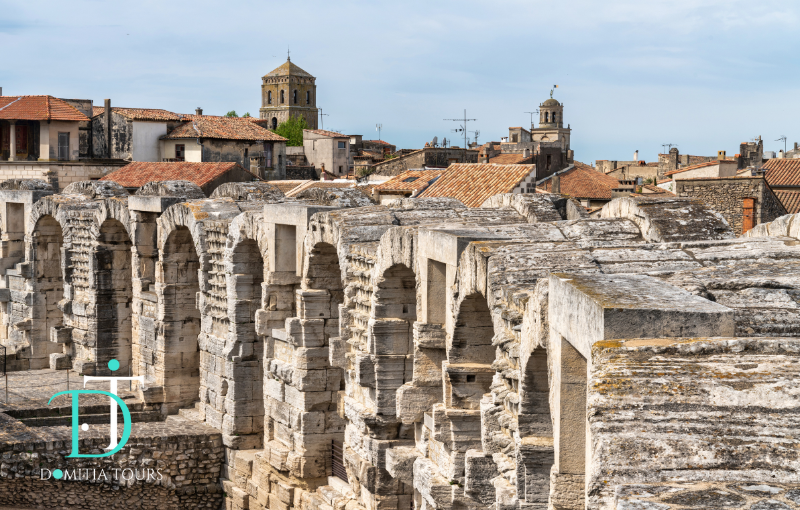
[(288, 55), (668, 146), (462, 128), (320, 118), (782, 139), (532, 113), (378, 128)]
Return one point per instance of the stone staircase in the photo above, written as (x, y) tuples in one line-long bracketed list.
[(92, 414)]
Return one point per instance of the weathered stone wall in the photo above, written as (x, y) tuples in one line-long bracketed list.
[(163, 466), (432, 157), (726, 196)]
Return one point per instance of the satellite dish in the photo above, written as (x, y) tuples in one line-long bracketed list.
[(435, 141), (444, 142)]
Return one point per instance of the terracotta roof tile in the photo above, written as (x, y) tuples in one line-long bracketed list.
[(410, 180), (224, 128), (692, 167), (783, 172), (153, 114), (583, 181), (322, 132), (511, 159), (288, 185), (790, 200), (473, 183), (38, 108), (137, 174)]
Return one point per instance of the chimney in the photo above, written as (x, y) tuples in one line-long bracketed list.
[(198, 111), (721, 155), (795, 143), (636, 155), (1, 93), (556, 187), (526, 153), (107, 105)]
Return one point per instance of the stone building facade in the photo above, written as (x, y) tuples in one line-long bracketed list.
[(428, 355), (744, 201), (288, 91)]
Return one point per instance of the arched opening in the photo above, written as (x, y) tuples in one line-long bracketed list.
[(546, 116), (470, 354), (247, 275), (48, 289), (181, 366), (114, 297), (269, 97), (283, 96), (391, 335), (274, 123)]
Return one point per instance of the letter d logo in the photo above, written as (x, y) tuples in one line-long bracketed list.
[(126, 428)]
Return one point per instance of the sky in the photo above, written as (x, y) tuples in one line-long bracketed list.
[(705, 75)]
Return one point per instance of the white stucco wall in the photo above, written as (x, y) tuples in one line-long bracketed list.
[(52, 144), (194, 152), (146, 146), (322, 150)]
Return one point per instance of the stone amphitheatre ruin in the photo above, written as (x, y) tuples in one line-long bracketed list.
[(321, 352)]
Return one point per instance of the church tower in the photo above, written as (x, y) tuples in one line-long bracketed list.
[(288, 91)]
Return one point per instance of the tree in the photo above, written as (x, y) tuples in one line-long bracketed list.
[(231, 113), (292, 130), (246, 115)]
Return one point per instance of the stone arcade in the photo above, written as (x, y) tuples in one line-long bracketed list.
[(422, 354)]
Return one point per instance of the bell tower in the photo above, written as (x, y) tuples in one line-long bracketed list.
[(288, 91)]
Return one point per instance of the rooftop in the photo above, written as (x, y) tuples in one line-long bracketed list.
[(511, 159), (693, 167), (152, 114), (288, 68), (473, 183), (410, 180), (322, 132), (789, 199), (783, 172), (583, 181), (225, 128), (137, 174), (38, 108)]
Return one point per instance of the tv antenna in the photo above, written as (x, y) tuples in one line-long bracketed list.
[(320, 118), (378, 128), (477, 133), (782, 139), (532, 114), (463, 127), (668, 146)]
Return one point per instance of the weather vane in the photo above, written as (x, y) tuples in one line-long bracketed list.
[(553, 89)]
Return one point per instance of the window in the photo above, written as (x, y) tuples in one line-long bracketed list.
[(308, 97), (283, 96), (245, 152), (549, 161), (410, 179), (554, 117), (269, 97), (22, 139), (294, 96), (342, 145), (180, 152), (280, 160), (274, 122), (340, 169), (546, 117), (63, 146), (514, 138), (269, 156)]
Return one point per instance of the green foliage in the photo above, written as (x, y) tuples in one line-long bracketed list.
[(292, 130), (246, 115), (231, 113), (650, 181)]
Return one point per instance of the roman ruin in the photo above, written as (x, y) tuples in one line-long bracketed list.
[(322, 352)]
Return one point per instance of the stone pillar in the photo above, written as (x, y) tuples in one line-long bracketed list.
[(12, 146)]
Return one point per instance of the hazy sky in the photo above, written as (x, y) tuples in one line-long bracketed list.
[(703, 74)]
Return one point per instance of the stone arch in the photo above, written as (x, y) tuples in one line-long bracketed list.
[(114, 296), (179, 266), (46, 251), (274, 122), (470, 354)]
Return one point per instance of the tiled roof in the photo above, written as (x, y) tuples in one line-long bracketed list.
[(656, 189), (286, 69), (692, 167), (511, 159), (473, 183), (288, 185), (410, 180), (317, 184), (322, 132), (384, 142), (38, 108), (783, 172), (139, 113), (790, 200), (662, 181), (584, 182), (225, 128), (137, 174)]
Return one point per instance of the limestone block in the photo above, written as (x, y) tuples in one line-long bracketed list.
[(313, 304), (306, 467), (400, 463), (338, 350), (412, 401), (305, 332), (389, 336), (429, 336), (60, 335), (309, 358), (264, 320), (310, 380), (480, 469), (308, 400), (365, 370), (274, 388), (277, 454), (60, 361), (427, 366)]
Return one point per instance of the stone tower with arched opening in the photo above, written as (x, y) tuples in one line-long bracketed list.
[(288, 91)]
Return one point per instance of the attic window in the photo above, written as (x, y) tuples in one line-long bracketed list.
[(410, 179)]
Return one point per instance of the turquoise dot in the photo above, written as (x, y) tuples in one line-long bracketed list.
[(57, 474), (113, 365)]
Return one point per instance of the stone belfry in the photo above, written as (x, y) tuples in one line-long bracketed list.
[(288, 91)]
